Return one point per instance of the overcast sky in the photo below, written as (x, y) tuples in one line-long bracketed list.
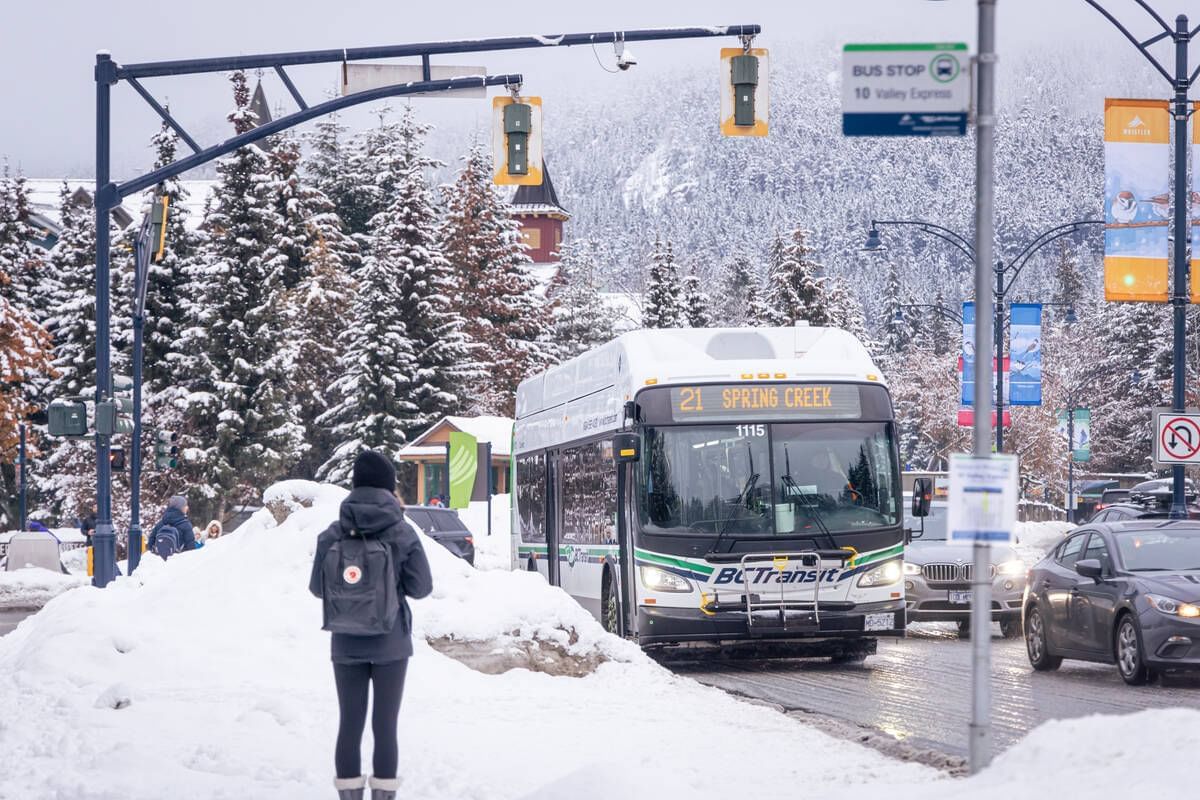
[(47, 51)]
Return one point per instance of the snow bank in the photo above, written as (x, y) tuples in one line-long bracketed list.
[(207, 676), (1035, 539), (495, 551), (34, 587)]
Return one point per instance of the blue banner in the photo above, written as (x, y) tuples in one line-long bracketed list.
[(968, 354), (1025, 331)]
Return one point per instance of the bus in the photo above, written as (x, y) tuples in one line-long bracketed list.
[(733, 488)]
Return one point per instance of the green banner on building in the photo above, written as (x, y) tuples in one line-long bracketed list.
[(464, 460)]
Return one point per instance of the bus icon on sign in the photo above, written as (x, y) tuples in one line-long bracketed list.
[(944, 68)]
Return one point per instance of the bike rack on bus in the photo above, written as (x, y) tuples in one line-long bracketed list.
[(780, 562)]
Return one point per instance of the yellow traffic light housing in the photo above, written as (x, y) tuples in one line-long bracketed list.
[(517, 141), (158, 227), (745, 95)]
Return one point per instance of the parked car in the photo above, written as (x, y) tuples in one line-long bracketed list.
[(1112, 496), (937, 576), (1125, 511), (444, 527), (1124, 593)]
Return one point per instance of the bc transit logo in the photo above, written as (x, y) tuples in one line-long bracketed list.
[(761, 575)]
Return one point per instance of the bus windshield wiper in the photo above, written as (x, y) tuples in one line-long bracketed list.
[(791, 489), (742, 497)]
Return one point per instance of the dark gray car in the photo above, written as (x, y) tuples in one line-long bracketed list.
[(1124, 592), (444, 526), (937, 576)]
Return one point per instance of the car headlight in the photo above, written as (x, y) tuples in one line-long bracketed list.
[(912, 569), (1012, 568), (883, 575), (659, 580), (1175, 608)]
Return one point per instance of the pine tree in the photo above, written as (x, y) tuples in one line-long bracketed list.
[(30, 285), (664, 303), (898, 331), (795, 289), (1069, 289), (696, 303), (240, 428), (495, 292), (581, 319), (738, 286)]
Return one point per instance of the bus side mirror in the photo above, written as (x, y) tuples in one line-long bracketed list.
[(627, 448), (922, 496)]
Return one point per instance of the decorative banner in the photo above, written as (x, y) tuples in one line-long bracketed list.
[(481, 489), (1137, 182), (1025, 345), (966, 366), (464, 460), (1081, 447), (1195, 208)]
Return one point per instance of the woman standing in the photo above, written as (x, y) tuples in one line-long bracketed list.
[(370, 532)]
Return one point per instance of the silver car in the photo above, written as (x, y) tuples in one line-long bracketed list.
[(937, 577)]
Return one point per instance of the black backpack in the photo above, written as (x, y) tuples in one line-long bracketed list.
[(358, 586), (167, 541)]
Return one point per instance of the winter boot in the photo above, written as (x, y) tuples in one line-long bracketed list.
[(384, 788), (350, 788)]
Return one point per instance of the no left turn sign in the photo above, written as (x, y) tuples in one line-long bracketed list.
[(1177, 439)]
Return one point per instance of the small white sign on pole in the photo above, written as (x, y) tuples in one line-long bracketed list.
[(361, 77), (983, 498)]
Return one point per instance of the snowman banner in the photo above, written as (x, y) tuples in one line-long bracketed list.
[(1025, 354), (1137, 179)]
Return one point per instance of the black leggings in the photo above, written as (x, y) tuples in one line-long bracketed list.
[(352, 681)]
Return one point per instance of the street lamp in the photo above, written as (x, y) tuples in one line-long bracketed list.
[(1004, 281), (1181, 37)]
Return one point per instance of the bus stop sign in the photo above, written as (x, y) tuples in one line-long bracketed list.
[(905, 89)]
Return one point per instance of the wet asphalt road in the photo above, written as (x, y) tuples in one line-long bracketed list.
[(918, 689), (10, 619)]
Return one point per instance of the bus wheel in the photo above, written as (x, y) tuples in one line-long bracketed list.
[(610, 606)]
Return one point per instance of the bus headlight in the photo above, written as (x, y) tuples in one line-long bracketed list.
[(659, 580), (885, 574)]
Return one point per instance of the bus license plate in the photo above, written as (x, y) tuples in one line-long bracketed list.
[(879, 622), (960, 598)]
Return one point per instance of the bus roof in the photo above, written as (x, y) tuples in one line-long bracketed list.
[(615, 371)]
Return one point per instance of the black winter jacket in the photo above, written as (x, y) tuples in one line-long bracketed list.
[(175, 518), (377, 512)]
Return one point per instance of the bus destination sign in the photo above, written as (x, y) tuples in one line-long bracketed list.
[(785, 402)]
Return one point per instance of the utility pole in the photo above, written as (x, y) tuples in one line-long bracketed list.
[(1071, 459), (1180, 80), (23, 457), (979, 745)]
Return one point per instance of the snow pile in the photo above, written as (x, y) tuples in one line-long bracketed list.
[(217, 655), (1035, 539), (286, 497), (495, 551), (1099, 756), (34, 587)]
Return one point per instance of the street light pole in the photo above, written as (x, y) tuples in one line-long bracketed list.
[(1179, 295), (1071, 459), (23, 457), (998, 324), (980, 732)]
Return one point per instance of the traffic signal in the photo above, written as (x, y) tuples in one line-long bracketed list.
[(158, 227), (166, 450), (116, 415), (517, 141), (67, 418), (116, 458), (744, 92)]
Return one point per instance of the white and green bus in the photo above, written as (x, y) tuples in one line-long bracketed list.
[(730, 488)]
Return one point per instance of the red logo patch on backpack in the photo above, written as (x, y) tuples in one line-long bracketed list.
[(352, 574)]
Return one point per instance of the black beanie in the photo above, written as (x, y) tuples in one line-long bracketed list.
[(372, 469)]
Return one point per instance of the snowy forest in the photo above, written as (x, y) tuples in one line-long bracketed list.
[(335, 297)]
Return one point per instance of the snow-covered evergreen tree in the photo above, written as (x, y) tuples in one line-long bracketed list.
[(794, 289), (696, 304), (664, 304), (898, 331), (581, 319), (337, 169), (495, 291), (241, 428), (738, 287), (1069, 289), (30, 285)]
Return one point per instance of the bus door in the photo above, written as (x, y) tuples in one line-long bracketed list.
[(553, 517)]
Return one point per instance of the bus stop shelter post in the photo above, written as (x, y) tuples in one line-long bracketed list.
[(979, 733)]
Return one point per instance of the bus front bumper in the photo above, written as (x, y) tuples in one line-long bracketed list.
[(664, 626)]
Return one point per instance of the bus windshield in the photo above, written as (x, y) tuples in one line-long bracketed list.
[(768, 479)]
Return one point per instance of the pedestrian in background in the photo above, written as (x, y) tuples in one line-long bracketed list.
[(366, 565), (87, 525), (174, 532), (214, 529)]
